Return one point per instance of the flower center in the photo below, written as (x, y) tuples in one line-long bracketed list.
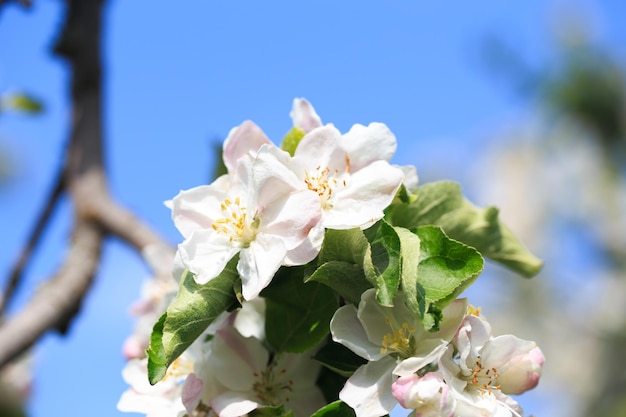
[(323, 182), (398, 341), (270, 389), (235, 224), (484, 379)]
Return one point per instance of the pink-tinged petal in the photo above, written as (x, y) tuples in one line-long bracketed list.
[(429, 395), (192, 392), (498, 351), (521, 372), (206, 254), (196, 208), (240, 141), (134, 348), (304, 116), (234, 404), (368, 391), (308, 249), (368, 192), (321, 148), (367, 144), (292, 218), (470, 338), (235, 359), (258, 263), (347, 329)]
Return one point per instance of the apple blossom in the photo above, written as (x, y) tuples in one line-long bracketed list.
[(394, 341), (489, 368), (428, 395), (160, 400), (261, 217), (239, 376)]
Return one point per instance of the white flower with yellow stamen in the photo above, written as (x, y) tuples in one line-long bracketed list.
[(395, 343), (261, 216), (486, 369)]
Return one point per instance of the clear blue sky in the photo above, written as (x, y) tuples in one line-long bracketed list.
[(180, 75)]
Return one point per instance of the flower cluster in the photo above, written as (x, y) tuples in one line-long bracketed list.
[(476, 371), (317, 278)]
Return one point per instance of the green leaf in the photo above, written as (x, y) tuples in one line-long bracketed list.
[(21, 102), (409, 262), (347, 279), (330, 383), (446, 267), (442, 204), (335, 409), (192, 311), (383, 266), (344, 245), (339, 359), (292, 140), (297, 314)]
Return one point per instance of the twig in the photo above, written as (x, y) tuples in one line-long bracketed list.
[(31, 244), (59, 299)]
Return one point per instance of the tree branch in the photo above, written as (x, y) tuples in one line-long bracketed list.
[(96, 214), (26, 253)]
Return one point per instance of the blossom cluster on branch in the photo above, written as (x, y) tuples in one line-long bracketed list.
[(318, 279)]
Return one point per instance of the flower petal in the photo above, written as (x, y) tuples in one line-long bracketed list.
[(240, 141), (368, 391), (259, 262), (206, 254), (196, 208), (347, 329), (368, 192), (233, 404), (304, 116), (366, 144)]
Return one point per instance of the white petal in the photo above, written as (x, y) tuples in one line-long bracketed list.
[(366, 144), (258, 263), (368, 391), (234, 404), (250, 320), (413, 364), (304, 116), (206, 254), (347, 329), (308, 249), (292, 218), (321, 148), (240, 141), (368, 192), (196, 208)]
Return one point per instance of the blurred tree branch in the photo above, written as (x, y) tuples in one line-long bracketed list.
[(83, 179)]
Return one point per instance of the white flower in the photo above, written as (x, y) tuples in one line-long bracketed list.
[(395, 343), (261, 216), (488, 368), (350, 173), (428, 395), (238, 377), (160, 400)]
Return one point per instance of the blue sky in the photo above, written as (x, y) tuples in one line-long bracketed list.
[(178, 78)]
